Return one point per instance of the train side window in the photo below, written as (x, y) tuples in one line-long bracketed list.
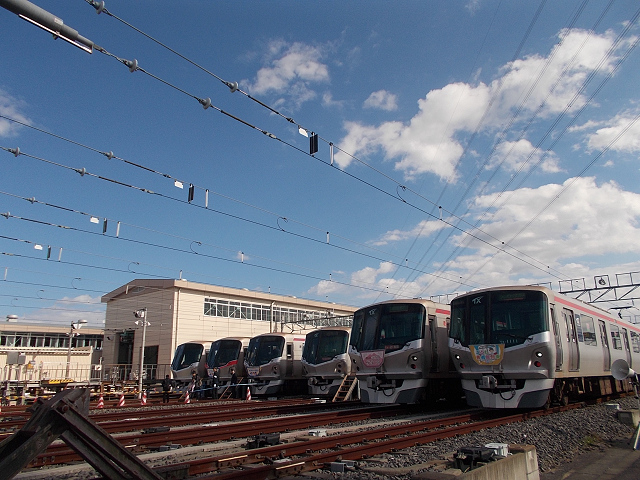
[(635, 342), (289, 350), (588, 330), (615, 337)]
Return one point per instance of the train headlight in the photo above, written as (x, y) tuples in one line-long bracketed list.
[(457, 357), (539, 354), (537, 363), (414, 358)]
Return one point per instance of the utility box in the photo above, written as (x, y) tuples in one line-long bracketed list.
[(629, 417), (16, 358)]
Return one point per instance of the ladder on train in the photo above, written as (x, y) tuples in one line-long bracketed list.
[(346, 390), (228, 392)]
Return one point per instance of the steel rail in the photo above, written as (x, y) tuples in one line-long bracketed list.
[(59, 453)]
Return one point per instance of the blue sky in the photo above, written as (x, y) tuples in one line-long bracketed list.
[(461, 145)]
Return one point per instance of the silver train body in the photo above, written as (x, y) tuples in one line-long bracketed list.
[(325, 360), (399, 352), (189, 357), (225, 354), (529, 347), (273, 364)]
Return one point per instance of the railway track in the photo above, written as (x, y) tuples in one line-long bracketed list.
[(114, 421), (304, 453), (311, 454), (161, 435)]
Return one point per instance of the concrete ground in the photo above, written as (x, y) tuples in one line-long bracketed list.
[(616, 462)]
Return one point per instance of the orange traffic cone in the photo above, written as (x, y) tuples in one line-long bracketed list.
[(121, 402), (143, 400), (248, 393), (101, 402), (186, 398)]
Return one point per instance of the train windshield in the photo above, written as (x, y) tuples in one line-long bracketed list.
[(264, 349), (223, 352), (509, 317), (322, 346), (388, 326), (186, 355)]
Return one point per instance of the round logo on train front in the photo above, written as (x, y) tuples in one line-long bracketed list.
[(487, 354), (373, 358)]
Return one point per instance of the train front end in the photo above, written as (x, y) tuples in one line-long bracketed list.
[(325, 361), (272, 363), (187, 358), (500, 343), (387, 352), (225, 354)]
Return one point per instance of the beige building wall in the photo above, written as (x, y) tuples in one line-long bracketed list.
[(175, 315)]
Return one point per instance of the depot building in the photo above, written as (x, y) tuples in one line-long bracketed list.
[(168, 313)]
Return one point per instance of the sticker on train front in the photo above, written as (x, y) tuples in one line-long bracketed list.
[(373, 358), (487, 354)]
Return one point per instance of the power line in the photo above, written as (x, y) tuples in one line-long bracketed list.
[(206, 103)]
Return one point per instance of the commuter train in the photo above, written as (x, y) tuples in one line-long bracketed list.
[(529, 347), (273, 364), (399, 353), (227, 353), (325, 361), (188, 357)]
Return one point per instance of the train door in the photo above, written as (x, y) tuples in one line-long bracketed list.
[(558, 337), (572, 340), (625, 337), (606, 353), (433, 332)]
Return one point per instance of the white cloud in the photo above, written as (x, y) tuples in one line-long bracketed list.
[(586, 220), (429, 143), (589, 227), (383, 100), (629, 142), (291, 69), (520, 156), (422, 229), (328, 101), (70, 309), (10, 107)]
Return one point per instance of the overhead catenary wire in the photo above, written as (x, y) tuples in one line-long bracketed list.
[(549, 130), (179, 89), (17, 152), (133, 66), (83, 172), (8, 215)]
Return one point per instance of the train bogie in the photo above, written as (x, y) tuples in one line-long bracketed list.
[(527, 347), (399, 352), (273, 364), (325, 361)]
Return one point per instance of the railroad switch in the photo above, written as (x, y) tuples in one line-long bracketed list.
[(263, 440), (468, 458)]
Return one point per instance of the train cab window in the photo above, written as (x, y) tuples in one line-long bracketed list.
[(588, 330), (387, 327), (615, 337), (508, 317)]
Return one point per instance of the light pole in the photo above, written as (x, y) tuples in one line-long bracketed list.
[(142, 315), (74, 326)]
